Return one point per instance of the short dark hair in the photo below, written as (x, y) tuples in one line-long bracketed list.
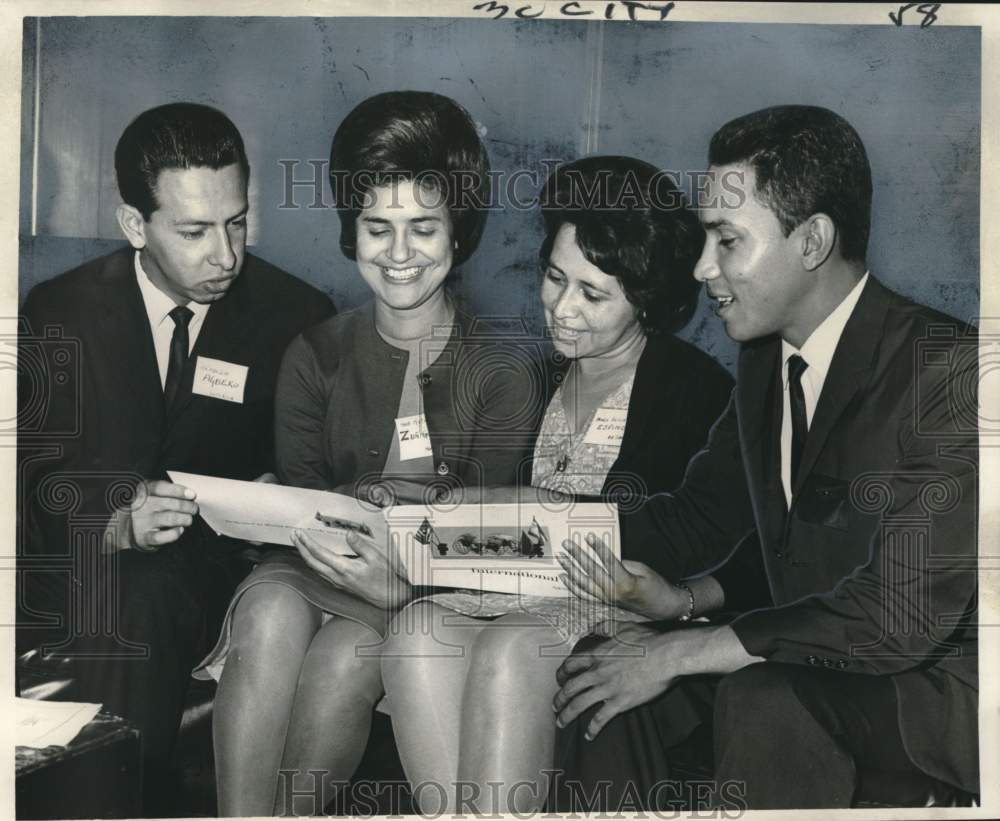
[(633, 223), (173, 136), (807, 160), (411, 135)]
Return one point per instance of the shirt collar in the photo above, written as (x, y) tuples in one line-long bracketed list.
[(158, 304), (819, 348)]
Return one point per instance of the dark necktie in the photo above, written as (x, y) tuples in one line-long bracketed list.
[(797, 404), (178, 352)]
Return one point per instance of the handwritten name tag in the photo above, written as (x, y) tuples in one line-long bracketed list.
[(414, 440), (219, 379), (608, 427)]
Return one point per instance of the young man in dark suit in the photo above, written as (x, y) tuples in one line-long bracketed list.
[(160, 356), (851, 445)]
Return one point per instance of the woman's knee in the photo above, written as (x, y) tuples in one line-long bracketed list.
[(344, 657), (272, 615), (516, 647), (417, 636)]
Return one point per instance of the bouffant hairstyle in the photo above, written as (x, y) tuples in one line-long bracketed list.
[(411, 135)]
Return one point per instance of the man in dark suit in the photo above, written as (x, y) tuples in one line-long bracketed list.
[(156, 357), (851, 445)]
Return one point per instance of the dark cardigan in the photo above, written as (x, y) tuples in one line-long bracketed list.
[(678, 394), (339, 389), (679, 391)]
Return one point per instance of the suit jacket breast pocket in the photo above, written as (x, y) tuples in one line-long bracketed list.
[(825, 501)]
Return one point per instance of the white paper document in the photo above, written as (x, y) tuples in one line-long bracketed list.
[(50, 723), (261, 512), (507, 548)]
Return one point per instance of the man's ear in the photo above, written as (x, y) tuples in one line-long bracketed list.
[(133, 225), (819, 238)]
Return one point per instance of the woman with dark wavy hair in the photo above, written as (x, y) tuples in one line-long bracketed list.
[(617, 258), (364, 400), (631, 404)]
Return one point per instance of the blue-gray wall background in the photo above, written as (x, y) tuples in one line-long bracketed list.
[(541, 90)]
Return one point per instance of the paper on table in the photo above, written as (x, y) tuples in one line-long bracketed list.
[(501, 548), (50, 723), (262, 512)]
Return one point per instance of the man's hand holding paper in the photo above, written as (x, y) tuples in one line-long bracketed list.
[(159, 513)]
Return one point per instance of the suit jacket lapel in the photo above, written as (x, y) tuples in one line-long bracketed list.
[(125, 340), (851, 361), (758, 404)]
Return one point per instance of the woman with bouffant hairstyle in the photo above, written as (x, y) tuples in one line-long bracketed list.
[(419, 136), (366, 405)]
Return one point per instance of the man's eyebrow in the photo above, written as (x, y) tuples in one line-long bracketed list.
[(208, 223)]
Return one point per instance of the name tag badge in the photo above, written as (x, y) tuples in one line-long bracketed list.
[(219, 379), (414, 440), (608, 427)]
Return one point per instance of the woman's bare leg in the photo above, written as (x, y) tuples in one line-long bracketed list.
[(339, 685), (424, 665), (508, 727), (271, 633)]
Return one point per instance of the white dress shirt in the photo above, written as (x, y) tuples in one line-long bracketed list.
[(817, 352), (158, 308)]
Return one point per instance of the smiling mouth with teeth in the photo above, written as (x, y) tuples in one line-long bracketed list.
[(724, 301), (402, 274), (563, 331)]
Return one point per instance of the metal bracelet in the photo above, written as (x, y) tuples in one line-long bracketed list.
[(690, 611)]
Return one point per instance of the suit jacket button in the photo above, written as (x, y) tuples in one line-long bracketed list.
[(841, 664), (778, 554), (443, 469), (372, 452), (425, 379), (828, 662), (812, 660)]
